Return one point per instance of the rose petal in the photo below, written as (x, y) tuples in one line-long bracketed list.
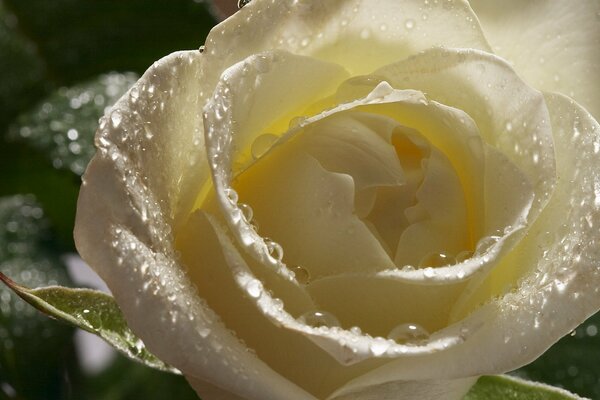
[(511, 116), (342, 32), (317, 228), (252, 312), (560, 275), (139, 186), (553, 44), (351, 145), (377, 304), (411, 390), (444, 228)]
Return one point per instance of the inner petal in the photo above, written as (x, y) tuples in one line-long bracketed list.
[(310, 212)]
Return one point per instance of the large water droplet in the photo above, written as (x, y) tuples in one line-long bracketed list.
[(436, 260), (275, 249), (319, 318), (409, 333), (409, 24), (262, 144), (302, 274)]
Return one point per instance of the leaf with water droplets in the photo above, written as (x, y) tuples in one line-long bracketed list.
[(506, 387), (90, 310)]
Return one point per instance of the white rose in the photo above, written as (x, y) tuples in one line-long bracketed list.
[(434, 217)]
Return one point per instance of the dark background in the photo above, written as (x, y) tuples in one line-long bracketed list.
[(62, 62)]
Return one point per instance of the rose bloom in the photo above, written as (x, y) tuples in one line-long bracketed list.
[(370, 199)]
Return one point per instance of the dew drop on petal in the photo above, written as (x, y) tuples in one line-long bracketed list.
[(317, 319), (247, 211), (254, 288), (409, 24), (379, 346), (116, 118), (436, 260), (275, 249), (301, 273), (408, 333), (464, 256)]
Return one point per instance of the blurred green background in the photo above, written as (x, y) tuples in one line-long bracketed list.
[(62, 63)]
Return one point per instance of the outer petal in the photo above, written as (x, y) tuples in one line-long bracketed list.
[(562, 286), (359, 35), (139, 186), (553, 44)]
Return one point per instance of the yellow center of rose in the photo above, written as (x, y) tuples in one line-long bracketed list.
[(353, 181)]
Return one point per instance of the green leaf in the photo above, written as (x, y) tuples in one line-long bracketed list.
[(503, 387), (36, 353), (571, 363), (63, 125), (90, 310)]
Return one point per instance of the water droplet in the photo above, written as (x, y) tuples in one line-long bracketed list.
[(436, 260), (242, 3), (379, 346), (247, 211), (204, 332), (509, 126), (262, 144), (201, 49), (275, 250), (356, 330), (116, 118), (486, 243), (254, 288), (409, 24), (408, 333), (365, 33), (302, 274), (317, 319), (463, 256)]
